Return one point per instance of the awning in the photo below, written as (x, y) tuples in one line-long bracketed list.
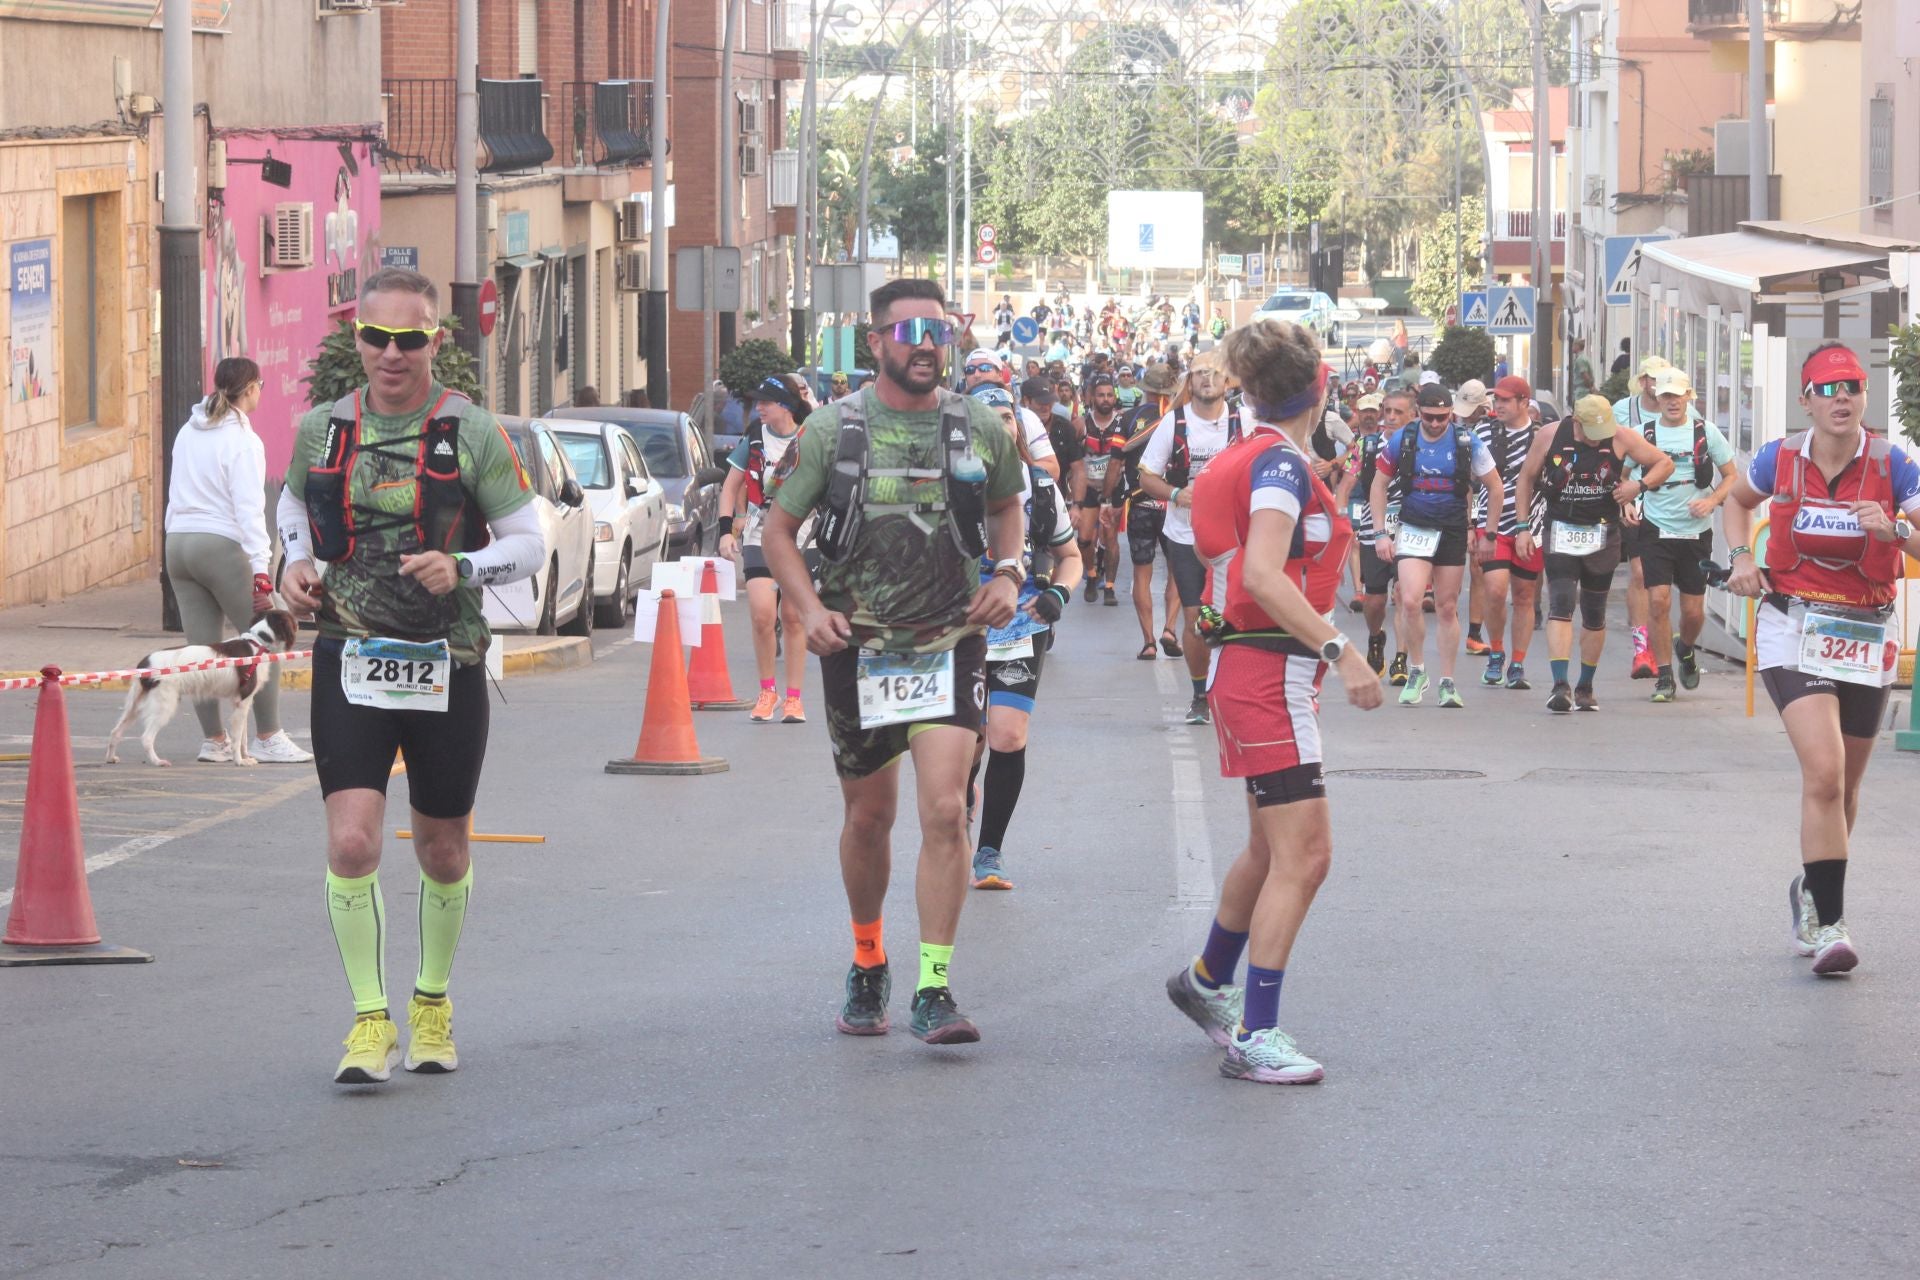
[(1738, 270), (521, 261), (552, 251)]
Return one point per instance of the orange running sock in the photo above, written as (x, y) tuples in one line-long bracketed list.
[(868, 951)]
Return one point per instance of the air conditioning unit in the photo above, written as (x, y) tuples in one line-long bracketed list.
[(286, 238), (753, 160), (1730, 147), (631, 272), (749, 117), (330, 8), (1596, 189), (630, 221)]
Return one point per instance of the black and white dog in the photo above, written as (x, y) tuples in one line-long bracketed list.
[(152, 700)]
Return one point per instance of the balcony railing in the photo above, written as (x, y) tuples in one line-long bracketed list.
[(1803, 17), (1726, 13), (419, 126), (513, 126), (1517, 224), (609, 122)]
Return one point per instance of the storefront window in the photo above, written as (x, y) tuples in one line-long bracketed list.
[(1744, 442), (1721, 405)]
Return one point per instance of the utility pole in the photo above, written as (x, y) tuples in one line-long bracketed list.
[(802, 201), (1759, 154), (966, 202), (466, 177), (180, 343), (1542, 206), (729, 135), (947, 60), (659, 385)]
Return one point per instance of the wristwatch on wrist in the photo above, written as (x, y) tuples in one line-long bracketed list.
[(464, 567), (1902, 529), (1332, 649), (1013, 570)]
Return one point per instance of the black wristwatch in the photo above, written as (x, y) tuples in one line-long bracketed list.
[(464, 567)]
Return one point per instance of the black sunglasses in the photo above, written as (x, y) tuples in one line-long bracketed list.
[(378, 336)]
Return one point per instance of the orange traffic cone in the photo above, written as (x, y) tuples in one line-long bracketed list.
[(709, 685), (667, 743), (52, 917)]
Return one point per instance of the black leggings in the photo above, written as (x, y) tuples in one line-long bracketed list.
[(354, 746)]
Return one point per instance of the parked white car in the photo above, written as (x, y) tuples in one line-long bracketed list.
[(563, 586), (629, 512)]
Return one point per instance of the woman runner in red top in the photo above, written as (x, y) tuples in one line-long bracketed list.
[(1839, 498), (1277, 543)]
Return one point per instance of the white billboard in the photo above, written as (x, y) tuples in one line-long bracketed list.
[(1156, 229)]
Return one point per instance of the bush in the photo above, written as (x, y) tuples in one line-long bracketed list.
[(1463, 353), (752, 363), (1616, 387), (336, 371), (1903, 358)]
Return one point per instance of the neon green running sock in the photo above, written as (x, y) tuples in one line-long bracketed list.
[(443, 912), (359, 917), (934, 960)]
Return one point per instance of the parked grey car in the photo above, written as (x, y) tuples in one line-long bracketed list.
[(677, 457)]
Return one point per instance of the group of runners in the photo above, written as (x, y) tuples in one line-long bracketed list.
[(926, 544)]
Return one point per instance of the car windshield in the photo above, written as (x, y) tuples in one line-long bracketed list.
[(588, 454), (660, 446), (1288, 302)]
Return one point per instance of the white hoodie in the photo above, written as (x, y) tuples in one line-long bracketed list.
[(220, 483)]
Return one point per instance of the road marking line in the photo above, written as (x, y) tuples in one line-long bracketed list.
[(1192, 843), (141, 844)]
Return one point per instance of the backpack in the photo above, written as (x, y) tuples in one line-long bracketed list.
[(1180, 461), (1702, 460), (1409, 453)]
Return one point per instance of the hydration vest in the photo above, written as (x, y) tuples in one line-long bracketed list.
[(1817, 549), (844, 509), (1579, 477), (1180, 461), (439, 502), (756, 471), (1221, 516), (1099, 442), (1702, 460), (1408, 460)]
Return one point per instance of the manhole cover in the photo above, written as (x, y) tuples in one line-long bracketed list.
[(1407, 775)]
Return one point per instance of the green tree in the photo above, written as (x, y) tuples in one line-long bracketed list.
[(1435, 286), (751, 363), (335, 369), (1461, 354)]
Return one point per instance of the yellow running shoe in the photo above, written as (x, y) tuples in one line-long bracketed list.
[(430, 1042), (373, 1046)]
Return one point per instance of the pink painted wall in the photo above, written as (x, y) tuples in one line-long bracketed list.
[(279, 319)]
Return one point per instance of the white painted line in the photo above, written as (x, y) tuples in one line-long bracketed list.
[(141, 844), (1192, 843)]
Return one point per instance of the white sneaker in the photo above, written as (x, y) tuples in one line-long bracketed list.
[(1268, 1056), (1830, 945), (278, 749), (212, 752)]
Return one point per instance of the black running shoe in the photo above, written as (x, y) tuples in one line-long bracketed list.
[(1093, 589), (1111, 597), (1560, 701), (1583, 699), (1377, 653), (1397, 673), (865, 1012), (936, 1021)]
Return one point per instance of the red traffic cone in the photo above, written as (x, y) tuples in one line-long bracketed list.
[(709, 684), (52, 917), (667, 743)]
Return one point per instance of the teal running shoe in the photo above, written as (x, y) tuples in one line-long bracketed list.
[(1416, 688), (1517, 677), (1269, 1056), (1495, 662), (988, 872), (1449, 696), (936, 1021), (865, 1012)]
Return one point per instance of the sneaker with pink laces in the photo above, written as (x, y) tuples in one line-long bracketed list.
[(762, 712)]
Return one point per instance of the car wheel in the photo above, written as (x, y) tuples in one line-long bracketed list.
[(614, 612), (550, 611), (581, 623)]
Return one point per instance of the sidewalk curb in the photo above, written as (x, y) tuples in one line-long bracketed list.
[(556, 653)]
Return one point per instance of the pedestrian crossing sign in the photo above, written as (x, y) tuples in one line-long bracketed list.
[(1509, 309), (1473, 309), (1622, 262)]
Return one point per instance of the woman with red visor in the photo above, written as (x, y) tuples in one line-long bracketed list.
[(1276, 545), (1838, 500)]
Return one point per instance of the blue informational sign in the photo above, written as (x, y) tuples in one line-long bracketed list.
[(1473, 309), (1026, 331), (1622, 261), (516, 230), (30, 351), (1509, 309), (1256, 271), (400, 255), (1146, 237)]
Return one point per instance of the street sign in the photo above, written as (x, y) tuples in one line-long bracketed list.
[(1026, 331), (986, 233), (1473, 309), (689, 279), (988, 255), (1257, 270), (1509, 310), (489, 306), (400, 255), (1622, 262), (1230, 264), (843, 288)]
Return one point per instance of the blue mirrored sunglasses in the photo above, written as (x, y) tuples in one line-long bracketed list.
[(913, 332), (1828, 390)]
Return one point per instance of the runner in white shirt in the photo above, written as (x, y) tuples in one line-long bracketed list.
[(1180, 448)]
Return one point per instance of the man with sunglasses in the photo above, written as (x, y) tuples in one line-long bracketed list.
[(983, 368), (414, 498), (1101, 434), (899, 623)]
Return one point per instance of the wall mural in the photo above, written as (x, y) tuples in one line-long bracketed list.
[(278, 317)]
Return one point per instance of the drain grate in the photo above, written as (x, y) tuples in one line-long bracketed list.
[(1407, 775)]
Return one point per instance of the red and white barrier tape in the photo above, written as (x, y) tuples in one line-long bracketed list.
[(138, 673)]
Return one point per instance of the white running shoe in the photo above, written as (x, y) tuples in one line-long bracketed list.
[(212, 752), (1215, 1010), (1830, 945), (1268, 1056), (278, 749)]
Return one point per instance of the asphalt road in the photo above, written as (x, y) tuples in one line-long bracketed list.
[(1563, 1032)]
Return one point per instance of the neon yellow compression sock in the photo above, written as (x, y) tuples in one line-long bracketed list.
[(359, 918), (934, 960), (443, 913)]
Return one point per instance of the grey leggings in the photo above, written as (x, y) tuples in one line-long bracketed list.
[(214, 584)]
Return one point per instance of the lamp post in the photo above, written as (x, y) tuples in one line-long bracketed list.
[(180, 343), (659, 385)]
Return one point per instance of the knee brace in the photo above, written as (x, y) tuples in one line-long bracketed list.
[(1593, 610), (1560, 595)]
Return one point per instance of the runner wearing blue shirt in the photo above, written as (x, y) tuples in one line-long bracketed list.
[(1430, 547), (1638, 411)]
